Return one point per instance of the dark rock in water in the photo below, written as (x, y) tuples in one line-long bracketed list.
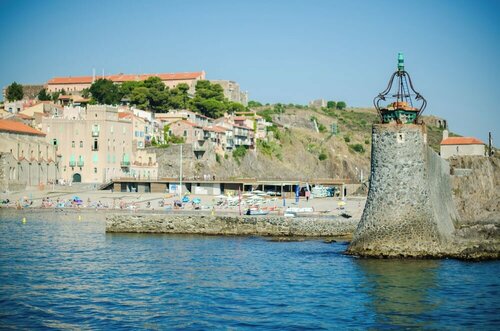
[(329, 241), (286, 239)]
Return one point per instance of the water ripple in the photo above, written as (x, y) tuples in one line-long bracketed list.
[(61, 273)]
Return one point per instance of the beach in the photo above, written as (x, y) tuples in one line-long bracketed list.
[(108, 200)]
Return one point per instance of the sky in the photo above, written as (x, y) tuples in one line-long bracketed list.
[(279, 51)]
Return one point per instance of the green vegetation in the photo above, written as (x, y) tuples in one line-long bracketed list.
[(239, 153), (217, 158), (341, 105), (43, 95), (347, 139), (104, 91), (321, 128), (331, 105), (322, 156), (367, 141), (357, 148), (14, 92), (271, 149), (275, 130), (253, 104)]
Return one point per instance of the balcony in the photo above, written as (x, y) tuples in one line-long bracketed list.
[(125, 164), (95, 133), (80, 163), (72, 163)]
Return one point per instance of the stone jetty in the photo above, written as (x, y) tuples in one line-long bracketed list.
[(230, 225)]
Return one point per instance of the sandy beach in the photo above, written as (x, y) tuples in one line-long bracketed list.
[(107, 200)]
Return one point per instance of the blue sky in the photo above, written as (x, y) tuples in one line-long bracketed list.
[(279, 51)]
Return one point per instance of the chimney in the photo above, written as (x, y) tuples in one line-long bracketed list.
[(445, 134)]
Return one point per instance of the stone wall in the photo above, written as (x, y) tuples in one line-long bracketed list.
[(229, 225), (476, 188), (409, 210)]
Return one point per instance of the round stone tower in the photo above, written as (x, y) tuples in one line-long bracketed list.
[(409, 210)]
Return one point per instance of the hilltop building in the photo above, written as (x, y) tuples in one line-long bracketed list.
[(232, 91), (78, 84), (318, 103), (26, 159), (459, 146)]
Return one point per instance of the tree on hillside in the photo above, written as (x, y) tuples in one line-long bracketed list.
[(341, 105), (14, 92), (55, 96), (104, 91), (43, 95), (235, 107), (253, 103), (209, 99), (126, 88), (331, 104), (179, 97), (86, 93), (154, 82), (139, 97)]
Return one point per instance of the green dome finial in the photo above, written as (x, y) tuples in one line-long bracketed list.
[(401, 62)]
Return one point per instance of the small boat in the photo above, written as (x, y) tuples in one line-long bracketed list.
[(345, 215), (256, 212)]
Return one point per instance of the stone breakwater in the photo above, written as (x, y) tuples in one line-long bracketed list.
[(230, 225)]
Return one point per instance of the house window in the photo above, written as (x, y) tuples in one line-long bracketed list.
[(185, 133), (95, 145), (95, 170), (73, 144), (54, 142), (81, 144)]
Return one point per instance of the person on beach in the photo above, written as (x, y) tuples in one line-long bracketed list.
[(308, 194)]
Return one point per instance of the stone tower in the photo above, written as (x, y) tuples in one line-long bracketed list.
[(409, 211)]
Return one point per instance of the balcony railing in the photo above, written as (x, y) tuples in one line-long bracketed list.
[(125, 164), (80, 163), (72, 163), (95, 133)]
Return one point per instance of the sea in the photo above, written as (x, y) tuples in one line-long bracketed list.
[(61, 270)]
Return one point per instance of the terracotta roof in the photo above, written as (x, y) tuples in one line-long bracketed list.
[(24, 116), (239, 118), (126, 78), (188, 123), (124, 115), (18, 127), (461, 141)]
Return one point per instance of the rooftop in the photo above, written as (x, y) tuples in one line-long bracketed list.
[(461, 141), (18, 127), (119, 78)]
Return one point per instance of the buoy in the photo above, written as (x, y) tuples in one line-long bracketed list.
[(24, 219)]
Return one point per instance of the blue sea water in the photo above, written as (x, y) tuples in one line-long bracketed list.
[(57, 271)]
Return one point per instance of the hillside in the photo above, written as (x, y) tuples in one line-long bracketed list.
[(295, 150)]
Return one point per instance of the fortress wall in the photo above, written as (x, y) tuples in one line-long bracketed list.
[(408, 210)]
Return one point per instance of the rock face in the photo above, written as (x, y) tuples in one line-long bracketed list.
[(409, 210), (229, 225)]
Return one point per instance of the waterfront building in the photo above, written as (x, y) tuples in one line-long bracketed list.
[(78, 84), (460, 146), (97, 145), (26, 158)]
